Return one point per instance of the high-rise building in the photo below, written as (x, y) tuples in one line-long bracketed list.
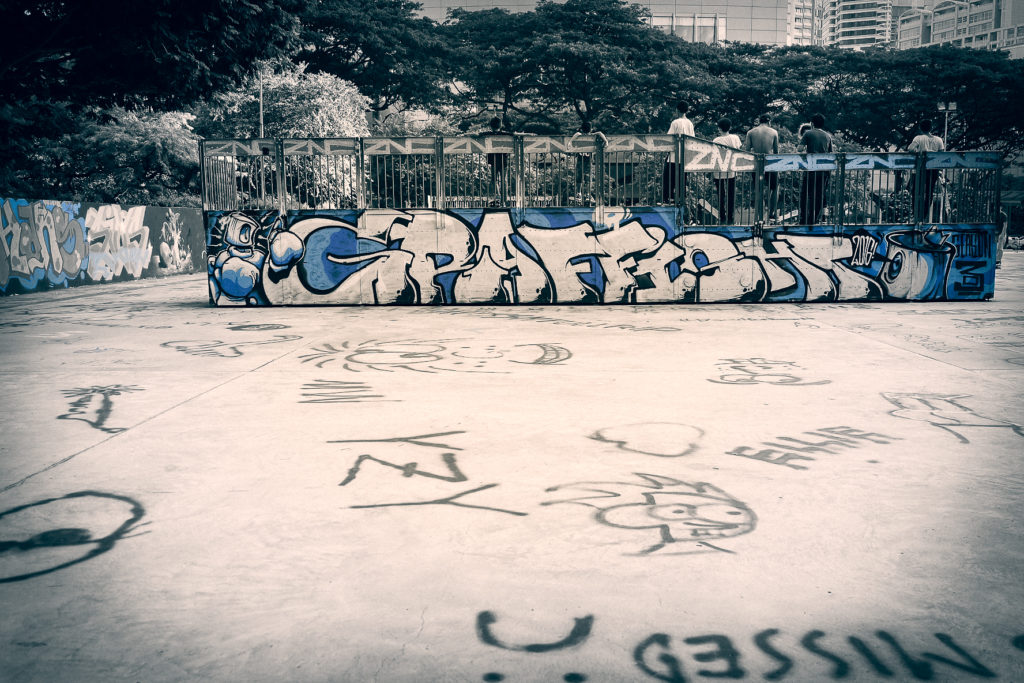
[(769, 22), (857, 24), (984, 24), (802, 22)]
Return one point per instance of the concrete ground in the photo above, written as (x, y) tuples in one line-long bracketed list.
[(616, 493)]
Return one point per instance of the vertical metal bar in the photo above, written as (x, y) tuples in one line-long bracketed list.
[(680, 192), (999, 197), (920, 210), (840, 195), (517, 170), (202, 174), (282, 197), (360, 176), (758, 189)]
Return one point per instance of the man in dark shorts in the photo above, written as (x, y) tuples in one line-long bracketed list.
[(763, 139), (812, 193)]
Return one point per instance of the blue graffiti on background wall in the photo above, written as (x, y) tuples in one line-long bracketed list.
[(55, 244), (41, 241), (537, 256)]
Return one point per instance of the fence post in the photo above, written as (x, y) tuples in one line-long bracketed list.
[(758, 189), (203, 181), (680, 188), (439, 165), (282, 194), (840, 198), (920, 210), (360, 176), (518, 163), (597, 166)]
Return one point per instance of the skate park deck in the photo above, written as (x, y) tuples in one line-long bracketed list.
[(796, 492)]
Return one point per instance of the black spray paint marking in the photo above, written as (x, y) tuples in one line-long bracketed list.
[(944, 411), (433, 356), (656, 657), (416, 440), (580, 632), (256, 327), (64, 537), (332, 391), (761, 371), (219, 349), (661, 439), (93, 405), (450, 500), (827, 440), (679, 515), (577, 636), (410, 469)]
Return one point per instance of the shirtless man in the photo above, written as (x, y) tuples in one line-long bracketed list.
[(763, 139)]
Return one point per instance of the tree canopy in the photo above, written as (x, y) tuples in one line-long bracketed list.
[(98, 74), (381, 46), (103, 52)]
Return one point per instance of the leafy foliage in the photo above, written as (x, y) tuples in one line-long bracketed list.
[(111, 155), (390, 54), (103, 52), (95, 91), (296, 104)]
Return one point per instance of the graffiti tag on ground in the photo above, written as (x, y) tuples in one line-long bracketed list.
[(55, 533)]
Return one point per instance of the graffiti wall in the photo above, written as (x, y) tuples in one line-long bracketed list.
[(46, 244), (585, 255)]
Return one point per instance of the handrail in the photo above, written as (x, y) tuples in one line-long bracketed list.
[(594, 171)]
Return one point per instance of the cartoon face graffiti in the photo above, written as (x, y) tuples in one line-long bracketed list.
[(235, 271), (681, 517), (916, 268), (679, 512)]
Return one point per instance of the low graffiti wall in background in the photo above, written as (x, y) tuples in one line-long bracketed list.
[(46, 244), (608, 255)]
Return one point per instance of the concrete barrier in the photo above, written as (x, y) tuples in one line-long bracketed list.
[(581, 255), (51, 243)]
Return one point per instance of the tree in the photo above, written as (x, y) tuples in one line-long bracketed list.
[(875, 98), (111, 155), (296, 104), (390, 54), (135, 157), (104, 52), (492, 67), (598, 59), (66, 61)]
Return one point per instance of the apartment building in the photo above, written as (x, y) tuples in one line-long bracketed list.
[(982, 24), (768, 22), (859, 24)]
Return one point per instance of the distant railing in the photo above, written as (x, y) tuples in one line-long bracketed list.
[(714, 186)]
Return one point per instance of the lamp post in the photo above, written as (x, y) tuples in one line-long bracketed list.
[(946, 108), (261, 101)]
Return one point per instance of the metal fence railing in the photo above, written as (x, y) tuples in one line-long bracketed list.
[(714, 185)]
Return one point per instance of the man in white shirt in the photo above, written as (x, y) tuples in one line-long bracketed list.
[(926, 142), (725, 181), (680, 126)]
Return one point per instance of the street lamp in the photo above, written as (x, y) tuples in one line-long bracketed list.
[(946, 108)]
